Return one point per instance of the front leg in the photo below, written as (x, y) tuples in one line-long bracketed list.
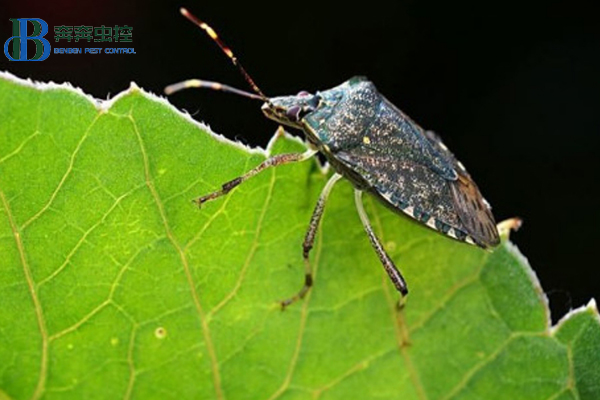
[(274, 161)]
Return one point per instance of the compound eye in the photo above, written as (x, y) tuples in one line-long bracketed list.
[(293, 113)]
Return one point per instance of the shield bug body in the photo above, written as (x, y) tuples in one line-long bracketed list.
[(380, 150)]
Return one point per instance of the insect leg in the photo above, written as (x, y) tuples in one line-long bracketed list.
[(274, 161), (309, 239), (386, 261)]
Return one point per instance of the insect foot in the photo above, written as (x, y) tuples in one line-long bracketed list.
[(308, 282), (401, 303), (201, 200), (226, 188)]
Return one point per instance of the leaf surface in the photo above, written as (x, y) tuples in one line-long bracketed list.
[(114, 285)]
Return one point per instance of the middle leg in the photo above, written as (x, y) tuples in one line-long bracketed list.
[(309, 240)]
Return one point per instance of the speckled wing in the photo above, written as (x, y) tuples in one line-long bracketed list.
[(451, 206), (473, 210)]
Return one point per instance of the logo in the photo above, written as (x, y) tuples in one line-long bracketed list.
[(20, 38), (15, 48)]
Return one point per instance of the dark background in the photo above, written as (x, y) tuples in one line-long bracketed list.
[(513, 89)]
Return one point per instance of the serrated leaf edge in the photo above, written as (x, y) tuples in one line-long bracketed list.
[(104, 106)]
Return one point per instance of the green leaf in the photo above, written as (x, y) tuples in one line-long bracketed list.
[(114, 285)]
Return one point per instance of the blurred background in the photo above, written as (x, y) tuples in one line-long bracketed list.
[(513, 89)]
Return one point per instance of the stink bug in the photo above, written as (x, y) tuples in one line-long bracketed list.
[(379, 149)]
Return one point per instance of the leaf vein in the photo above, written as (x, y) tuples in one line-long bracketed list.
[(81, 241), (182, 255), (492, 356), (252, 252), (20, 147), (356, 368), (402, 335), (65, 175), (39, 312), (302, 329)]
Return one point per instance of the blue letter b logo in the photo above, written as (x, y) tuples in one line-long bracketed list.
[(20, 38)]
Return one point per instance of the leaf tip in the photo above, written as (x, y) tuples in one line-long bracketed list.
[(133, 87), (591, 305)]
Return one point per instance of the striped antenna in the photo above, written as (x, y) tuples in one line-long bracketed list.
[(213, 85), (198, 83)]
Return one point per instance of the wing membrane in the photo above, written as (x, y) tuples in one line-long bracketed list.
[(453, 206)]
